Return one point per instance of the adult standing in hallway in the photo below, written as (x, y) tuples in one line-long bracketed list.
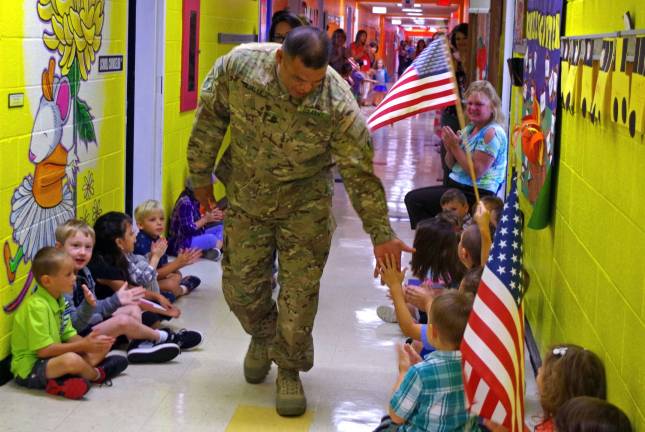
[(289, 114), (282, 22), (487, 142), (459, 49)]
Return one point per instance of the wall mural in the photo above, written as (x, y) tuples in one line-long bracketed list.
[(46, 197)]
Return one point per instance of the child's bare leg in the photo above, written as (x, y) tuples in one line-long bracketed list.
[(70, 364), (94, 358), (171, 284), (124, 324), (133, 311)]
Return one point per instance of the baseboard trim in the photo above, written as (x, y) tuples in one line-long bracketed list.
[(5, 370), (531, 345)]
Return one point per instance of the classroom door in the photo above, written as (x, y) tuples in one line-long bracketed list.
[(144, 144)]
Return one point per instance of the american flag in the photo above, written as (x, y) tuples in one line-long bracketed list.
[(427, 84), (493, 344)]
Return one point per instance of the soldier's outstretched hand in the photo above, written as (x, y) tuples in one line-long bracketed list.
[(393, 247)]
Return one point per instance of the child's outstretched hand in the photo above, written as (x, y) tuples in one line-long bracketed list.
[(390, 273), (159, 247), (89, 297), (407, 357), (128, 296), (188, 256)]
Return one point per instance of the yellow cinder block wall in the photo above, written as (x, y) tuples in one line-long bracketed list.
[(100, 177), (587, 272), (222, 16)]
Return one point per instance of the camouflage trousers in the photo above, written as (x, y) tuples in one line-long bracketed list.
[(302, 237)]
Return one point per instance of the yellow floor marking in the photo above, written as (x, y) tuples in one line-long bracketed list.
[(255, 418)]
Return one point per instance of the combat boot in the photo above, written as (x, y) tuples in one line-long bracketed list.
[(256, 361), (290, 398)]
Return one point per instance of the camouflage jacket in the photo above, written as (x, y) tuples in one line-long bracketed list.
[(281, 148)]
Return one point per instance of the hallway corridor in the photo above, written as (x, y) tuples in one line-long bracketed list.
[(355, 362)]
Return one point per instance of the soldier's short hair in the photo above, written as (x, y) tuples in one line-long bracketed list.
[(310, 45), (147, 208), (48, 261)]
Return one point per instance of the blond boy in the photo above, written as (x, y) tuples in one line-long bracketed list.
[(44, 345), (116, 315), (151, 221)]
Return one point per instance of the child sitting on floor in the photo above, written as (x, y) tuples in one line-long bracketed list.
[(189, 228), (589, 414), (114, 263), (47, 353), (455, 201), (568, 371), (429, 393), (151, 222), (113, 316), (435, 262)]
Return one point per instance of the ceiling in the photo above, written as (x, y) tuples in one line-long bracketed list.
[(431, 13)]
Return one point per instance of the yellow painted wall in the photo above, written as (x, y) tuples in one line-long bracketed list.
[(223, 16), (100, 178), (587, 277)]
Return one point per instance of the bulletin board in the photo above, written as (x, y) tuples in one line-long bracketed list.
[(540, 94)]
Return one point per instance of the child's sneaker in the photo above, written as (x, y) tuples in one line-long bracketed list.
[(186, 339), (144, 351), (70, 388), (111, 367), (190, 282), (213, 254), (386, 313)]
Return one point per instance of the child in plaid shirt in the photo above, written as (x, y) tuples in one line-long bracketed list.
[(189, 229), (429, 393)]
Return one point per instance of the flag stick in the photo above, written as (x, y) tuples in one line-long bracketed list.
[(462, 122)]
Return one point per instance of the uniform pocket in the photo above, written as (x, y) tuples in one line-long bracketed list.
[(310, 139)]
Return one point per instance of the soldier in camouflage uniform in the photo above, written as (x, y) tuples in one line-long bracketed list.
[(291, 118)]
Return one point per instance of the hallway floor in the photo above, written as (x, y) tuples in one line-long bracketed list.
[(355, 360)]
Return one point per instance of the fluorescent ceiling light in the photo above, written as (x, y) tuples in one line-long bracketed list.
[(414, 14), (410, 10), (425, 17), (417, 6), (399, 5), (396, 21), (379, 10)]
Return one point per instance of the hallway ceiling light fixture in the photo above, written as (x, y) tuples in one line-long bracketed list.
[(396, 21), (379, 10), (443, 19), (414, 14), (410, 10)]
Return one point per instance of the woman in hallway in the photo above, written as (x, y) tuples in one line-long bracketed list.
[(459, 49), (339, 52), (282, 22), (486, 141)]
